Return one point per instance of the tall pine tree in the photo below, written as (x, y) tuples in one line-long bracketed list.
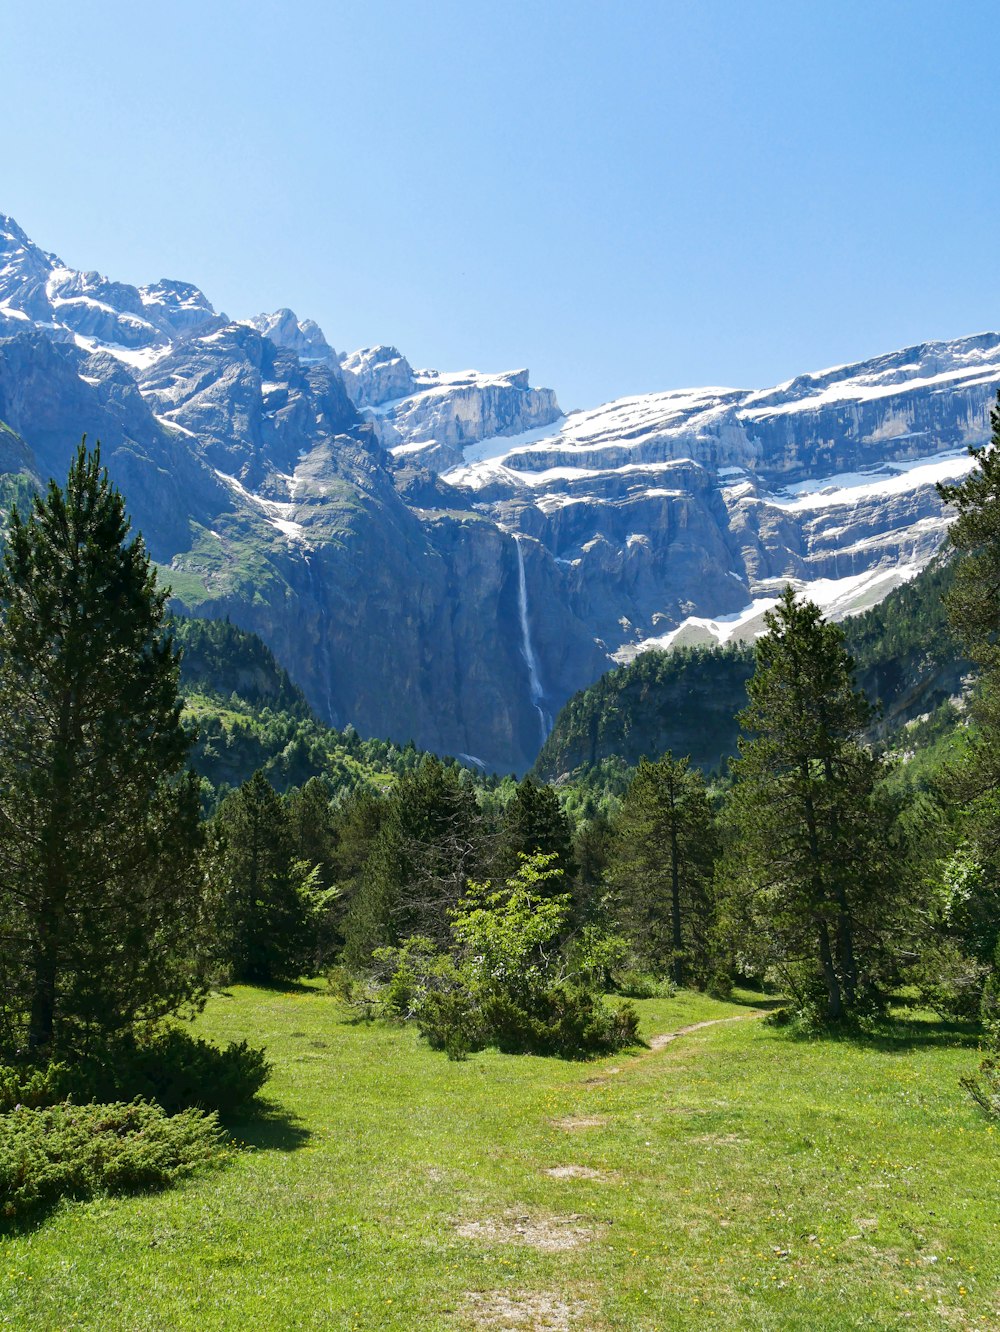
[(661, 867), (973, 606), (101, 904), (813, 888), (267, 916)]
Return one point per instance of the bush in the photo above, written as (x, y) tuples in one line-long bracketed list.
[(180, 1071), (34, 1086), (559, 1020), (503, 985), (985, 1089), (81, 1150), (635, 984), (452, 1022), (950, 982), (167, 1065)]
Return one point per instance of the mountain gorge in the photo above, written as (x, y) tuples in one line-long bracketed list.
[(445, 556)]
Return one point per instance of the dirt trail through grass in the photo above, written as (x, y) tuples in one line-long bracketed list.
[(658, 1042)]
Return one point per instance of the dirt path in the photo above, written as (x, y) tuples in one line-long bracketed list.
[(658, 1042)]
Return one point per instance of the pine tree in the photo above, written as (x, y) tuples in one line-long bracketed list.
[(265, 889), (418, 865), (533, 822), (812, 883), (315, 842), (661, 866), (973, 605), (101, 904)]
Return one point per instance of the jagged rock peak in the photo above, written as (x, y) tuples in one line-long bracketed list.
[(302, 336), (13, 236), (377, 375), (182, 306)]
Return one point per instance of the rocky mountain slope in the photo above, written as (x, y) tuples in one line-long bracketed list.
[(445, 556)]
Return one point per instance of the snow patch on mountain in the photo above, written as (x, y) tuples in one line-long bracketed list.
[(838, 598)]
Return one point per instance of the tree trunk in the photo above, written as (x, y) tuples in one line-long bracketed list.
[(834, 1003), (41, 1026), (675, 905), (845, 926)]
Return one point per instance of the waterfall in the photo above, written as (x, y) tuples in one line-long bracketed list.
[(322, 644), (527, 650)]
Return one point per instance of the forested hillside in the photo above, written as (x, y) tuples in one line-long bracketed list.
[(249, 716), (686, 701)]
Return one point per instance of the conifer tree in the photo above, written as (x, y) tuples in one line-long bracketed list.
[(101, 904), (973, 605), (418, 865), (812, 887), (265, 889), (534, 821), (661, 866)]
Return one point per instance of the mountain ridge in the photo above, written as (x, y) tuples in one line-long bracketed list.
[(447, 556)]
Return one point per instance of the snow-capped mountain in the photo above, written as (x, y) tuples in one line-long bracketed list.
[(446, 556), (679, 516)]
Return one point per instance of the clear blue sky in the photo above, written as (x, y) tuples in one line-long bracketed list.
[(622, 196)]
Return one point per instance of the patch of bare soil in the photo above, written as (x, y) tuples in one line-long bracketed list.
[(573, 1123), (721, 1140), (551, 1234), (512, 1311), (575, 1172)]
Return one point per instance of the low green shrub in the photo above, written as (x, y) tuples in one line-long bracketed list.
[(565, 1020), (635, 984), (180, 1071), (81, 1150), (505, 982), (35, 1086), (985, 1089), (166, 1065), (949, 981)]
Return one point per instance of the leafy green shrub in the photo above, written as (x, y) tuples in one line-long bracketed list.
[(636, 984), (80, 1150), (720, 985), (450, 1021), (34, 1086), (411, 973), (504, 986), (564, 1020), (950, 982)]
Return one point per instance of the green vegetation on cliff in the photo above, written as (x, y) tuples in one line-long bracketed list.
[(250, 717), (686, 701)]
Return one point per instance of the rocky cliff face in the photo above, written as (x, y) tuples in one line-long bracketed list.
[(678, 517), (445, 556), (267, 495)]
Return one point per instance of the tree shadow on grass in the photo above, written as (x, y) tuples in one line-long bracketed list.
[(268, 1127), (899, 1034), (759, 1002)]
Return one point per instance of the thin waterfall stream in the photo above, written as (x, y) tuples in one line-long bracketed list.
[(527, 650)]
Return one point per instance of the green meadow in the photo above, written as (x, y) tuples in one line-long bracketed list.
[(738, 1176)]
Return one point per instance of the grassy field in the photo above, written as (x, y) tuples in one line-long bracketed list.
[(738, 1177)]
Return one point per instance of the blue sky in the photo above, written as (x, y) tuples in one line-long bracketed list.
[(624, 197)]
